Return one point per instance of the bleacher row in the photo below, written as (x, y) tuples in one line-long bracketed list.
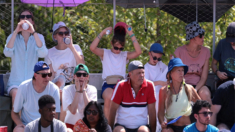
[(95, 80)]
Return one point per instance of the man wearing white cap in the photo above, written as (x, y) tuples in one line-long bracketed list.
[(133, 100)]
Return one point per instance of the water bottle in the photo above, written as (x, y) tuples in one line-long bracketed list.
[(107, 32), (67, 40), (25, 26)]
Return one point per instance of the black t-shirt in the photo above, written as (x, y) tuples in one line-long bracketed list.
[(225, 55), (225, 96)]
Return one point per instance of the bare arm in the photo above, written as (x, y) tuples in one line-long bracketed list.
[(16, 118), (152, 116), (57, 115), (195, 94), (161, 106), (74, 105), (162, 83), (204, 75), (221, 75), (137, 52), (94, 44), (79, 58), (113, 108), (52, 71), (215, 109)]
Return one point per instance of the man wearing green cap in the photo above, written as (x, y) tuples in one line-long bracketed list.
[(76, 96)]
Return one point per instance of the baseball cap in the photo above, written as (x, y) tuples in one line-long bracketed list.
[(121, 25), (156, 48), (41, 65), (230, 34), (135, 65), (57, 26), (81, 67)]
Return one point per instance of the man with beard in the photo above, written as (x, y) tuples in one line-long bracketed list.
[(47, 122), (202, 113), (134, 101), (76, 96), (29, 93)]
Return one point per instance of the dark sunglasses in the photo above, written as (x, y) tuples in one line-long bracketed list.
[(206, 113), (201, 34), (93, 112), (155, 58), (81, 74), (116, 48), (44, 75), (63, 33), (27, 16)]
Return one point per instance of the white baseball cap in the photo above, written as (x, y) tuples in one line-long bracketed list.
[(57, 26)]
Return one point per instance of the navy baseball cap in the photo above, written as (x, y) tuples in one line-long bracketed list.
[(41, 65), (230, 34), (156, 48), (176, 62)]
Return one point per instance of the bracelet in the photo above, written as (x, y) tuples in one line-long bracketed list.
[(81, 91), (132, 35), (99, 37), (134, 41), (33, 33)]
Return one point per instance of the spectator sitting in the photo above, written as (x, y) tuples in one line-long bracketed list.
[(47, 122), (134, 101), (202, 113), (94, 119), (29, 93), (223, 107), (196, 57), (63, 58), (77, 96), (225, 55), (155, 70), (114, 60), (24, 47), (175, 98)]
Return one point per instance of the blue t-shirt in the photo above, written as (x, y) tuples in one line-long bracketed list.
[(233, 128), (193, 128), (225, 55)]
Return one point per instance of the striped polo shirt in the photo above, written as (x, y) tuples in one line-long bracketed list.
[(133, 112)]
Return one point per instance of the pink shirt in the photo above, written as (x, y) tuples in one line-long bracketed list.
[(195, 65)]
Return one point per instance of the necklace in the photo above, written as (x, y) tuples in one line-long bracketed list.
[(175, 92)]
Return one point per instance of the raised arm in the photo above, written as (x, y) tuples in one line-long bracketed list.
[(152, 116), (113, 109), (79, 58), (94, 44), (137, 52)]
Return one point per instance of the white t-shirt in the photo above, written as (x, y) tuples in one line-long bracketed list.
[(156, 73), (58, 126), (114, 64), (62, 60), (27, 98), (68, 96)]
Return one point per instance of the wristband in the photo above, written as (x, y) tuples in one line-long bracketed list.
[(132, 35), (134, 41), (99, 37), (81, 91)]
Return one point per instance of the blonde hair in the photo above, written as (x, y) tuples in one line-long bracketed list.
[(188, 91)]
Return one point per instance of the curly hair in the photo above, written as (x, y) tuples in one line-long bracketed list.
[(102, 123), (44, 100), (199, 105)]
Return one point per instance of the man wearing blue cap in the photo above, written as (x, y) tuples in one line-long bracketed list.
[(155, 70), (29, 93)]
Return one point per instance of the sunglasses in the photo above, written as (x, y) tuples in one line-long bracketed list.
[(44, 75), (201, 34), (27, 16), (155, 58), (93, 112), (81, 74), (206, 113), (116, 48), (63, 33)]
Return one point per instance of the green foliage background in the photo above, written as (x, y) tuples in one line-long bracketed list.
[(86, 21)]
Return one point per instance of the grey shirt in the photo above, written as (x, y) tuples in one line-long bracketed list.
[(57, 124)]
